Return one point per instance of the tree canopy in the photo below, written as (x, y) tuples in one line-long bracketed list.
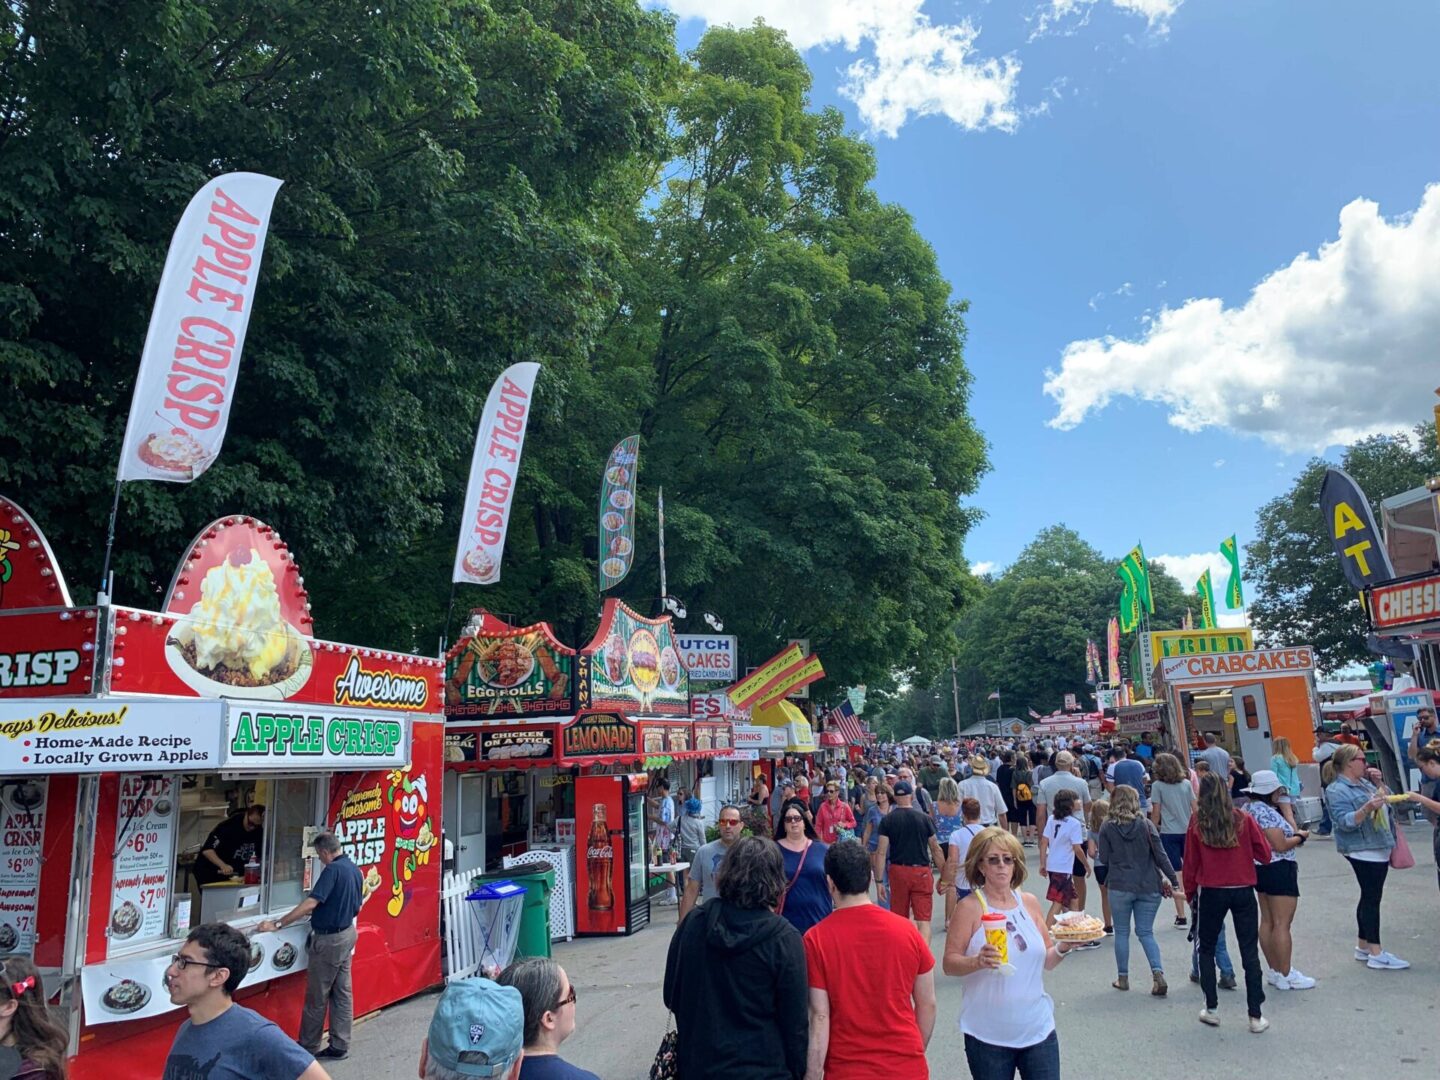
[(687, 248), (1301, 596)]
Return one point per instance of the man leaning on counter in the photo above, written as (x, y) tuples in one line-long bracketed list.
[(332, 906)]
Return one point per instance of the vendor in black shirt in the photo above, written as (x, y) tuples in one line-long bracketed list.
[(227, 849)]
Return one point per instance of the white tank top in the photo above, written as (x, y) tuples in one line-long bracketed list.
[(1009, 1010)]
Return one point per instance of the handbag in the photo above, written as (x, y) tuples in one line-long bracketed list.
[(1401, 857), (780, 910), (666, 1065)]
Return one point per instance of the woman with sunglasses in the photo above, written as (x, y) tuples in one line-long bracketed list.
[(548, 996), (1007, 1018), (27, 1026), (806, 899)]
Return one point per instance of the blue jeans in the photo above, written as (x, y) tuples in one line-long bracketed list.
[(990, 1062), (1144, 907)]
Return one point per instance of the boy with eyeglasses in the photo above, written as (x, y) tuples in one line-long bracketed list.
[(222, 1040)]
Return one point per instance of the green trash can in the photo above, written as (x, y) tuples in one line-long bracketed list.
[(539, 882)]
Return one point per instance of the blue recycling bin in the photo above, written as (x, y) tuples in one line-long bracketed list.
[(498, 907)]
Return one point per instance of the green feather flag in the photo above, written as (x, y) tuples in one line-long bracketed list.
[(1207, 601), (1136, 595), (1234, 595)]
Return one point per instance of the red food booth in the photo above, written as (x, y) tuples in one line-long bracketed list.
[(129, 735)]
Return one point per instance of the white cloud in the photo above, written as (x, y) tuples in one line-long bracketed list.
[(1187, 569), (912, 65), (1219, 463), (1326, 350), (983, 567), (1075, 13)]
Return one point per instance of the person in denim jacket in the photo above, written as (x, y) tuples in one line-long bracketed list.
[(1364, 836)]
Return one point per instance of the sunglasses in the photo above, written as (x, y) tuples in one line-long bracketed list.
[(729, 821), (185, 962), (1019, 939), (793, 817), (999, 860), (568, 999)]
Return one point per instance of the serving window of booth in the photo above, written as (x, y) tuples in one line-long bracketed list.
[(183, 844), (553, 821)]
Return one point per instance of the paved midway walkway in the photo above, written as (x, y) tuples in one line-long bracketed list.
[(1357, 1022)]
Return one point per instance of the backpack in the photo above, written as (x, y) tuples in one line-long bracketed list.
[(1023, 793)]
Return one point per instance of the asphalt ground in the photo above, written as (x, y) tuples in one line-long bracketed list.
[(1356, 1024)]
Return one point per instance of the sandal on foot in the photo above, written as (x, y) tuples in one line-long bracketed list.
[(1122, 982), (1160, 988)]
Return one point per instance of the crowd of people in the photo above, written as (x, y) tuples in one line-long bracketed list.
[(808, 919)]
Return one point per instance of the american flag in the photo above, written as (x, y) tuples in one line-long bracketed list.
[(994, 696), (842, 719)]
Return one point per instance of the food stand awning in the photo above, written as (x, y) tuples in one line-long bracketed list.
[(799, 738)]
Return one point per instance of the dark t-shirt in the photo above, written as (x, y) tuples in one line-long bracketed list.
[(237, 1045), (551, 1067), (234, 843), (909, 832), (339, 891)]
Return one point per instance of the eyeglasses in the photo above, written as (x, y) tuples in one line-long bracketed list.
[(999, 860), (568, 999), (184, 962)]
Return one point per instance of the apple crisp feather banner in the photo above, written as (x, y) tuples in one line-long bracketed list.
[(494, 468), (191, 360), (617, 512)]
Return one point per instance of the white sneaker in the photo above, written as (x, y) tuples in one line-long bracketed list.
[(1210, 1017), (1362, 955), (1298, 980), (1387, 962), (1258, 1024), (1278, 981)]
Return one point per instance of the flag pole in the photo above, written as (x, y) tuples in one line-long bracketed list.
[(445, 627), (104, 597), (955, 695)]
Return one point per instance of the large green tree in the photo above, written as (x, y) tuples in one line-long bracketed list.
[(1298, 592)]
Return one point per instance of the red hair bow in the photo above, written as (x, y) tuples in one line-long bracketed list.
[(24, 984)]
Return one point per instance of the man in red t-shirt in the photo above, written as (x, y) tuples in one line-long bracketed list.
[(872, 982)]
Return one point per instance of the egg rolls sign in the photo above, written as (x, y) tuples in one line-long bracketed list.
[(191, 360)]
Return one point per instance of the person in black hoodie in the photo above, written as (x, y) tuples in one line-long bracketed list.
[(735, 976)]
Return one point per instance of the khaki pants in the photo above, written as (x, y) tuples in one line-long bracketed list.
[(327, 982)]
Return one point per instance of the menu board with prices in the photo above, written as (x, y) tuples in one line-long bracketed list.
[(144, 859), (22, 813)]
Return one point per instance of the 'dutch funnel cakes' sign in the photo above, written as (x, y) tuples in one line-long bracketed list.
[(191, 361)]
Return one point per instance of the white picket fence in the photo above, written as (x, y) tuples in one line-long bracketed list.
[(464, 938)]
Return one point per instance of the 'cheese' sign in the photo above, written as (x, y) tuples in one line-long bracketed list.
[(1406, 603)]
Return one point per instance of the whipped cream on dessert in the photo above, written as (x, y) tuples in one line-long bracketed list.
[(177, 449), (237, 623)]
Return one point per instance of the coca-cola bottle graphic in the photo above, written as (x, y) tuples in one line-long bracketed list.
[(599, 858)]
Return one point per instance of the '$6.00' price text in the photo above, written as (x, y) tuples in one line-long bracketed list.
[(142, 842)]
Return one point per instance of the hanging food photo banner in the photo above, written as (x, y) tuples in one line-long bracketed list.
[(712, 736), (236, 624), (522, 672), (29, 574), (48, 653), (521, 747), (617, 512), (144, 851), (191, 361), (22, 814), (494, 468), (632, 664)]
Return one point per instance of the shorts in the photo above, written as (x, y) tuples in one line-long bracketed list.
[(1062, 889), (1079, 870), (1174, 845), (1024, 813), (1101, 873), (912, 892), (1279, 877)]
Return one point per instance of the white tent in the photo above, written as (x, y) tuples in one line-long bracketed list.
[(915, 740)]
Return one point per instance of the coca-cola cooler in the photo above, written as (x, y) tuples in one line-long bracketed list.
[(610, 854)]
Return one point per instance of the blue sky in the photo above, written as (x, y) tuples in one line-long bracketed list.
[(1201, 225)]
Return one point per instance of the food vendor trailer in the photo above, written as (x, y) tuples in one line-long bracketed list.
[(131, 735), (529, 719), (1247, 699)]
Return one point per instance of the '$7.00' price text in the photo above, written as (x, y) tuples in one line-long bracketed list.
[(152, 896)]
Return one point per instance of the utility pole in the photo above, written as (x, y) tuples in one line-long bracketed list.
[(955, 696)]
